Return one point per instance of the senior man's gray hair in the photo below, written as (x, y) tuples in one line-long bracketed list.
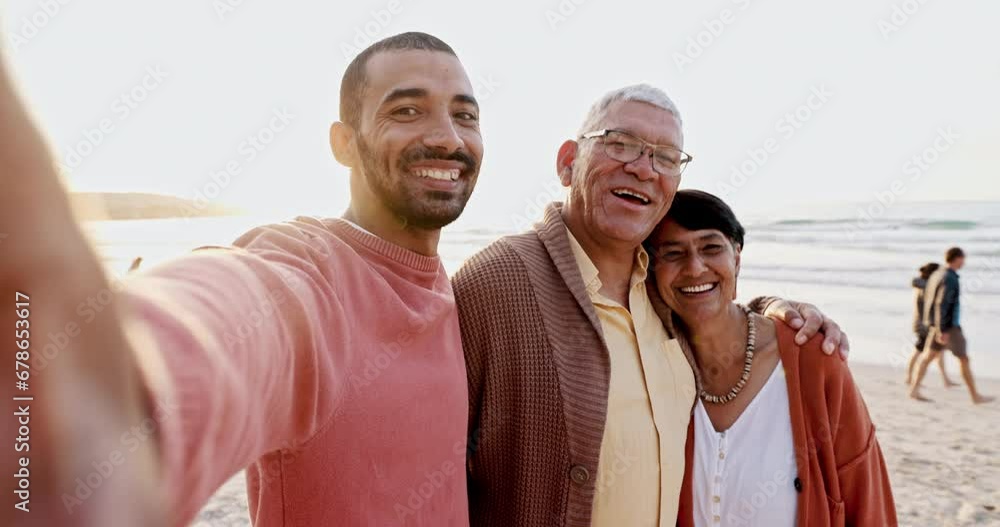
[(638, 93)]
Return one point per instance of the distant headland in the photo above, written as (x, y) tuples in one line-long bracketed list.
[(92, 206)]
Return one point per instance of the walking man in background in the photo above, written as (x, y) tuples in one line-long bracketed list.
[(920, 324), (941, 313)]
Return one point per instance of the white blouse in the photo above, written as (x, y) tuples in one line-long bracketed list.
[(745, 476)]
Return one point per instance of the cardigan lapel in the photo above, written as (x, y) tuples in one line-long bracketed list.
[(789, 352), (552, 233), (579, 352)]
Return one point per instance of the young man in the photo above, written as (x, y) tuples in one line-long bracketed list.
[(322, 353), (942, 314)]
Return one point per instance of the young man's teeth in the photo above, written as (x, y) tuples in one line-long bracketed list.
[(698, 288), (443, 175)]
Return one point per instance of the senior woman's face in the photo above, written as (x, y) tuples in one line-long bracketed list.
[(695, 270)]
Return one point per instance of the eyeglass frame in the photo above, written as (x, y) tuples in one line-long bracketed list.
[(603, 133)]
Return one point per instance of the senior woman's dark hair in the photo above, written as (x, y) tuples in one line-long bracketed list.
[(696, 210)]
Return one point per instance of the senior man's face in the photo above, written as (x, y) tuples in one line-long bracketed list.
[(602, 190)]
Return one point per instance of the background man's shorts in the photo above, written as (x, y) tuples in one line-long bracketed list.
[(956, 341)]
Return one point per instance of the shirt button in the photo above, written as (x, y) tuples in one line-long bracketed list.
[(716, 499), (722, 455), (716, 518), (579, 474)]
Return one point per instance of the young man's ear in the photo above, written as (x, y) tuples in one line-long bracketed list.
[(345, 150), (564, 161)]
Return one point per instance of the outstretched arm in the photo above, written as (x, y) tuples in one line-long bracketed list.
[(89, 391), (163, 387)]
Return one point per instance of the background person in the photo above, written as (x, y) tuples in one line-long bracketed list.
[(942, 312), (920, 328)]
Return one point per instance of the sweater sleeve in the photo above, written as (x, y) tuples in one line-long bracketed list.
[(861, 470), (234, 345)]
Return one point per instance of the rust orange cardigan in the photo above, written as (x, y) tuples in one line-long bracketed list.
[(842, 479)]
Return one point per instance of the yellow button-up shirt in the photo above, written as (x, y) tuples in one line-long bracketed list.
[(650, 398)]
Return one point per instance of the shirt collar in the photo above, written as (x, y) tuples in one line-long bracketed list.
[(590, 274)]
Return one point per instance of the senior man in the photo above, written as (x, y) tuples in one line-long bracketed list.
[(580, 395)]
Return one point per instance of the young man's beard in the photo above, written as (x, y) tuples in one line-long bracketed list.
[(428, 210)]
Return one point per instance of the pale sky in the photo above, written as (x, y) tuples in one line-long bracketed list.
[(893, 86)]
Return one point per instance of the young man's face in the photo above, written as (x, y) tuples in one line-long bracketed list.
[(419, 143), (598, 182), (958, 263)]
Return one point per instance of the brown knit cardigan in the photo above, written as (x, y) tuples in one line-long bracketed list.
[(538, 372)]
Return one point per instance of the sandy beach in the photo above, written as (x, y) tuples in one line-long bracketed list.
[(944, 456)]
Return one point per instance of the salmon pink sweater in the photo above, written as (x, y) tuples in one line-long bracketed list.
[(324, 360)]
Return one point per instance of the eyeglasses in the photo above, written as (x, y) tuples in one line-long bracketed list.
[(626, 148)]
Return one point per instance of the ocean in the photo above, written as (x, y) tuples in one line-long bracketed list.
[(855, 261)]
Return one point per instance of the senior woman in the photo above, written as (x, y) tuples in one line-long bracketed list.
[(780, 435)]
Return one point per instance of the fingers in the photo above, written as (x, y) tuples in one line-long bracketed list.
[(784, 311), (845, 346), (813, 322), (833, 336)]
